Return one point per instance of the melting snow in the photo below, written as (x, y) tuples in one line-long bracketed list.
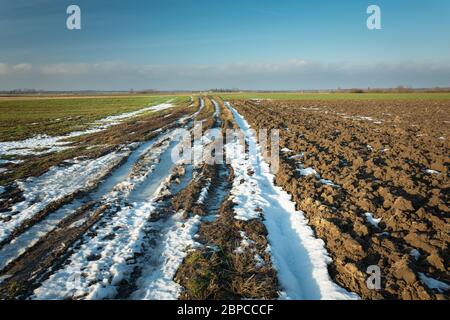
[(2, 161), (156, 283), (259, 261), (27, 239), (158, 107), (55, 184), (40, 144), (372, 220), (297, 156), (433, 283), (21, 243), (97, 279), (245, 243), (204, 193), (307, 171), (216, 109), (415, 254), (130, 229), (430, 171), (311, 171), (328, 182)]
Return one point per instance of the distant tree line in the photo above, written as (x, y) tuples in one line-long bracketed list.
[(398, 89)]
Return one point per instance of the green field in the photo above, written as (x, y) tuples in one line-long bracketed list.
[(335, 96), (21, 118)]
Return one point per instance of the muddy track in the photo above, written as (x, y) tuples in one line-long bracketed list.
[(232, 261), (50, 251), (185, 199), (14, 195), (94, 145), (47, 255), (55, 205), (225, 266), (38, 262)]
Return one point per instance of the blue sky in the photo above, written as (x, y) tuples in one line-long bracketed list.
[(201, 44)]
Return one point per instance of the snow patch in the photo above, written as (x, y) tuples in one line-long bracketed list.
[(415, 254), (245, 243), (216, 109), (306, 171), (328, 182), (160, 107), (433, 283), (297, 156), (204, 193), (3, 162), (311, 171), (372, 220), (259, 261)]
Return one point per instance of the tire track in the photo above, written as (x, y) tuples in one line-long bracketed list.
[(227, 264), (33, 266), (116, 238)]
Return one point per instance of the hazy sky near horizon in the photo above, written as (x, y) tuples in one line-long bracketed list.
[(202, 44)]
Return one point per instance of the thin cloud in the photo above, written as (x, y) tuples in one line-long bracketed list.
[(290, 74), (14, 69)]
